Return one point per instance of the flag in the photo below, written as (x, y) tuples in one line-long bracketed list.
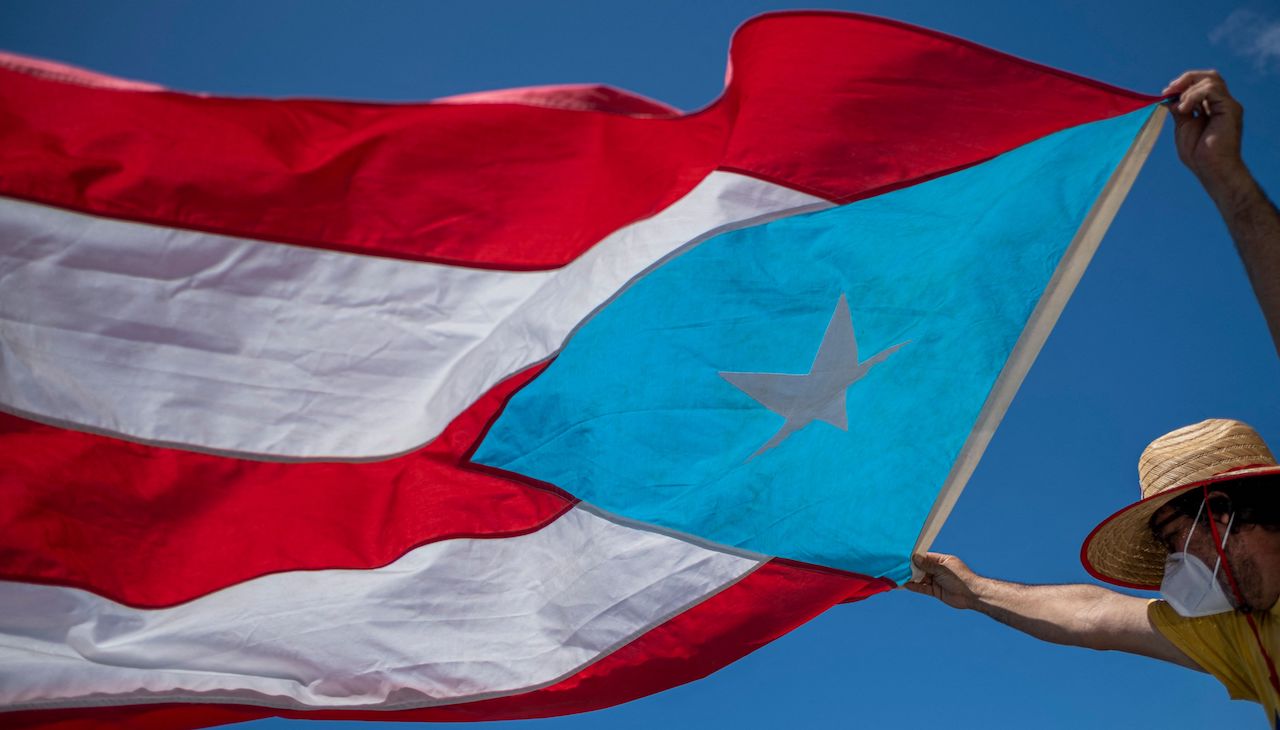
[(514, 404)]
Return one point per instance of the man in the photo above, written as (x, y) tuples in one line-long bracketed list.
[(1207, 530)]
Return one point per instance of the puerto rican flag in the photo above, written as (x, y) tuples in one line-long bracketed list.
[(515, 404)]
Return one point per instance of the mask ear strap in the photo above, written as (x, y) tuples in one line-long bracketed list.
[(1219, 543), (1194, 522)]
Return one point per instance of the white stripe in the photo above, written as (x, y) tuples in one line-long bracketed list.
[(239, 346), (450, 622)]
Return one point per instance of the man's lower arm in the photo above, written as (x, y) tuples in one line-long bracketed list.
[(1076, 615), (1254, 224)]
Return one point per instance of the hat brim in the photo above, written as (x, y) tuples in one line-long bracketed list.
[(1122, 551)]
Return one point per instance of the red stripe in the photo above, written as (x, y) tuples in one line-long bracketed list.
[(151, 526), (509, 185), (766, 604), (839, 105)]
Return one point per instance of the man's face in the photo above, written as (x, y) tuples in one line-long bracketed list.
[(1172, 529)]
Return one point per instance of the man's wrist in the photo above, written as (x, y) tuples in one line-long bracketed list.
[(982, 590), (1232, 188)]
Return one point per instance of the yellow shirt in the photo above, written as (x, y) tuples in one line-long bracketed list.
[(1223, 645)]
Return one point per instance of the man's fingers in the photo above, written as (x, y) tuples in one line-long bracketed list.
[(1178, 85), (1187, 127), (1208, 96), (1193, 98), (931, 563), (1188, 79), (926, 562), (1181, 119)]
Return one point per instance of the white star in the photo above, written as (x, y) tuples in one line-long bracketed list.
[(818, 395)]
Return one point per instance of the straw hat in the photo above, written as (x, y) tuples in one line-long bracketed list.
[(1122, 549)]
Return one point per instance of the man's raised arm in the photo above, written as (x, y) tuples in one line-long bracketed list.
[(1209, 123), (1076, 615)]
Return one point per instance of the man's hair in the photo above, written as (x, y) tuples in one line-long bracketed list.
[(1255, 501)]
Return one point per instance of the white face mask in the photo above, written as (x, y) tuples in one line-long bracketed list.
[(1189, 586)]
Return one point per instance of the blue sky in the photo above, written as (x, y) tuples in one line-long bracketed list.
[(1162, 331)]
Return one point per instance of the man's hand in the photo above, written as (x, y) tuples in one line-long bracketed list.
[(946, 578), (1208, 125)]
